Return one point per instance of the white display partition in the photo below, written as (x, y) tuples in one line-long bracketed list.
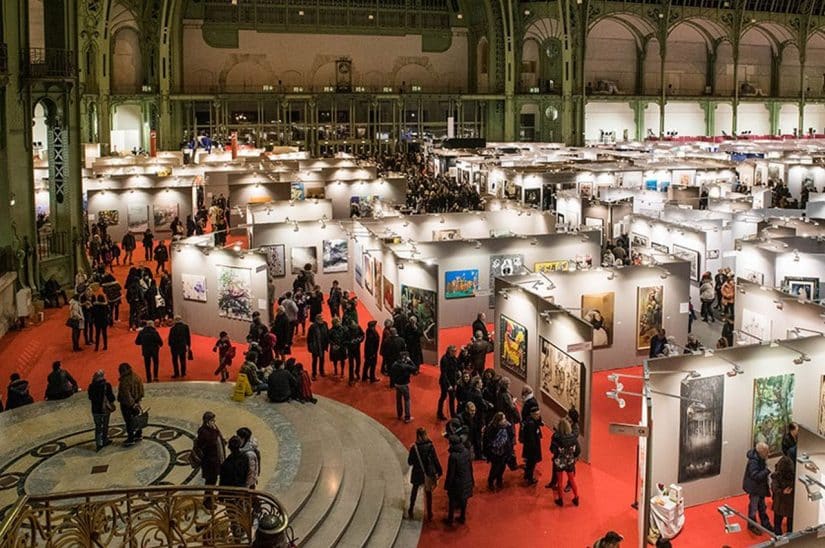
[(569, 208), (605, 215), (799, 173), (551, 332), (811, 444), (204, 276), (771, 263), (669, 439), (769, 314), (289, 210)]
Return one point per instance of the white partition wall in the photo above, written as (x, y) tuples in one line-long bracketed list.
[(688, 119), (815, 118), (724, 119), (753, 117), (651, 119), (608, 116), (788, 118)]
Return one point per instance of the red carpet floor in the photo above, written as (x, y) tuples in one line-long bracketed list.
[(518, 515)]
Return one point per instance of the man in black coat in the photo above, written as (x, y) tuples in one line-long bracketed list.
[(529, 402), (755, 484), (317, 344), (281, 385), (180, 344), (355, 336), (149, 341), (447, 380), (480, 325), (530, 437), (235, 468), (60, 384), (371, 345), (17, 394), (459, 481), (256, 328), (400, 372), (395, 345), (383, 347), (399, 321)]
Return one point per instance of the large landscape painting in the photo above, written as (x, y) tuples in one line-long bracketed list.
[(772, 410), (700, 428)]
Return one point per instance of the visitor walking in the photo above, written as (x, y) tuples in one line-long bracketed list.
[(180, 345), (426, 469), (102, 399), (755, 484), (530, 437), (458, 481), (208, 452), (317, 344), (566, 450), (372, 341), (400, 373), (75, 322), (354, 337), (129, 395), (499, 441), (447, 379), (101, 319), (149, 341)]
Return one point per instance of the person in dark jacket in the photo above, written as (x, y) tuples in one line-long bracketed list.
[(755, 484), (334, 300), (235, 468), (566, 450), (337, 345), (782, 487), (161, 255), (528, 402), (383, 347), (149, 341), (355, 335), (17, 393), (480, 326), (459, 480), (315, 301), (499, 441), (477, 352), (412, 339), (395, 347), (281, 329), (256, 328), (281, 386), (447, 380), (472, 421), (180, 344), (400, 373), (789, 441), (100, 319), (657, 343), (399, 321), (317, 344), (129, 395), (530, 437), (148, 244), (60, 384), (209, 450), (100, 390), (371, 344), (426, 469), (129, 244)]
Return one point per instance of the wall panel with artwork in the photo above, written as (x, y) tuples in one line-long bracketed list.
[(139, 208)]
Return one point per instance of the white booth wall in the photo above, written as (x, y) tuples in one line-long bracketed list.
[(281, 211), (608, 116), (780, 320), (122, 200), (685, 118)]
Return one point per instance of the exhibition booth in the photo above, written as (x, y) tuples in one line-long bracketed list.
[(794, 264), (765, 314)]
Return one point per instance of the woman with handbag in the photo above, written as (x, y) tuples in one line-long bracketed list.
[(426, 469), (75, 322), (103, 405)]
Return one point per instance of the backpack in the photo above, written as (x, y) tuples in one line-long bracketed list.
[(500, 445)]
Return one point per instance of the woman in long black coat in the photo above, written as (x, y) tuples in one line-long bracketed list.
[(459, 481), (426, 469), (530, 434), (412, 336)]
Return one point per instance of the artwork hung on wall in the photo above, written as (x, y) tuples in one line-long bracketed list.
[(648, 315), (552, 266), (594, 221), (359, 267), (586, 189), (559, 218), (713, 253), (563, 378), (700, 428), (755, 327), (583, 262), (235, 292), (368, 273), (446, 235), (598, 311), (389, 294), (379, 280), (757, 177), (296, 191), (423, 303), (691, 256), (821, 417), (532, 196), (138, 218), (460, 284), (772, 410), (639, 240), (163, 215), (662, 248), (275, 260), (773, 172), (336, 256), (302, 256), (513, 345), (194, 287), (500, 233), (503, 265), (805, 288), (685, 179), (752, 276), (314, 191), (109, 216)]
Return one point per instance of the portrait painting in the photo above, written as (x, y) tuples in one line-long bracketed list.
[(597, 310), (649, 309)]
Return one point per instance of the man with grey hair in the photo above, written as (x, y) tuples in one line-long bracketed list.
[(755, 484)]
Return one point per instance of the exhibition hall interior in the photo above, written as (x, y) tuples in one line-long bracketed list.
[(399, 273)]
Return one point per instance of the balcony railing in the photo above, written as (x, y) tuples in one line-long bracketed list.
[(144, 516), (48, 63), (52, 244), (4, 59)]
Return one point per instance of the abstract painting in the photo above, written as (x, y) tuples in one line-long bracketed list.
[(138, 218), (594, 221), (460, 284), (302, 256), (562, 378), (821, 418), (772, 410), (598, 311), (336, 255), (194, 287), (423, 304), (503, 265), (359, 269), (109, 216), (389, 294), (275, 260), (446, 235), (513, 345), (379, 279), (691, 256), (234, 292), (296, 192), (163, 215), (649, 306), (552, 266), (700, 428)]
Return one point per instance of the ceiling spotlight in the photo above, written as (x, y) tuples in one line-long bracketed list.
[(611, 275), (614, 395), (811, 487), (237, 247), (443, 220), (736, 370), (664, 275), (534, 241), (779, 304)]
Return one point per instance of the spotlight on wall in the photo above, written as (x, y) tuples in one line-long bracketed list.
[(802, 358), (611, 274), (727, 516), (442, 220), (534, 241), (237, 247), (13, 199), (504, 293), (736, 370), (664, 275), (779, 304), (811, 487), (400, 266), (614, 395), (691, 375), (296, 228)]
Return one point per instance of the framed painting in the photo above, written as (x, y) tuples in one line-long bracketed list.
[(594, 221), (691, 256), (275, 260), (336, 256), (302, 256), (446, 235), (639, 240), (586, 189), (598, 311), (379, 280), (163, 215), (804, 288), (700, 428), (359, 266), (552, 266), (194, 287), (662, 248), (460, 284), (423, 304), (296, 192), (755, 326), (821, 415), (649, 306), (563, 378), (137, 218), (752, 276), (772, 410), (503, 265), (235, 292), (532, 196), (513, 347), (389, 294), (109, 216), (368, 272)]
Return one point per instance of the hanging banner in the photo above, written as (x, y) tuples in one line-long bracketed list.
[(234, 145), (153, 143)]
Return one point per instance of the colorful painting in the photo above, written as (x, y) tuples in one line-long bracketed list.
[(163, 215), (336, 255), (446, 235), (379, 278), (772, 410), (821, 419), (513, 345), (423, 304), (296, 192), (552, 266), (649, 309), (691, 256), (302, 256), (700, 428), (804, 288), (194, 287), (111, 217), (369, 273), (460, 284), (275, 260), (563, 378), (503, 265), (235, 292), (598, 311), (138, 218), (389, 294)]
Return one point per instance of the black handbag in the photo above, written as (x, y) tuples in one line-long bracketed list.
[(141, 420)]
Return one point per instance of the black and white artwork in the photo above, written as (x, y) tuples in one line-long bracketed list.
[(639, 240), (700, 428), (691, 256), (503, 265)]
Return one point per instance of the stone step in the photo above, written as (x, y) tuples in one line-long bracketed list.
[(313, 453), (366, 515)]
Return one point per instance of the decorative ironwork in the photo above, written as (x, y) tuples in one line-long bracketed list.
[(48, 63), (148, 516), (4, 59), (52, 244)]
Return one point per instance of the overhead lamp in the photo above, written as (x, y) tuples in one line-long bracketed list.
[(665, 274), (691, 375), (442, 220), (735, 370), (779, 304), (614, 395), (504, 293), (296, 228), (727, 516), (811, 487), (611, 274)]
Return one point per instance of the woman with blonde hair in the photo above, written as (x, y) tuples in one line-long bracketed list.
[(566, 450)]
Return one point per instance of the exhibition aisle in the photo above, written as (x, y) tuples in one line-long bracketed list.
[(515, 515)]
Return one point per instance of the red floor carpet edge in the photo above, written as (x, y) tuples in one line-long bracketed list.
[(517, 515)]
